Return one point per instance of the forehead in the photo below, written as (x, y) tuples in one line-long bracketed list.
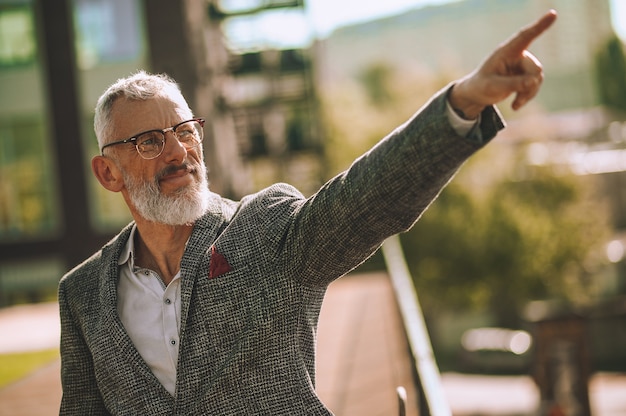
[(130, 116)]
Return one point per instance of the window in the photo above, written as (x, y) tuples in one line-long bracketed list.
[(110, 44), (17, 36), (107, 31), (27, 189)]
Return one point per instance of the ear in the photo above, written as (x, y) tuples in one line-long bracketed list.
[(107, 173)]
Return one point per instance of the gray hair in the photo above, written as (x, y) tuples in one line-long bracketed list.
[(140, 86)]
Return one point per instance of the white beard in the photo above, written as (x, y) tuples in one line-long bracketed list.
[(182, 208)]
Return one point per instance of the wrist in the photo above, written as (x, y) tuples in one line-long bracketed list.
[(463, 106)]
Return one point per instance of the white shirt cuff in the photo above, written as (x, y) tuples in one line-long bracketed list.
[(459, 124)]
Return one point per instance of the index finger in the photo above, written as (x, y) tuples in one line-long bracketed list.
[(520, 42)]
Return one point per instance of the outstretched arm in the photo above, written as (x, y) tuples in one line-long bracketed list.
[(510, 69)]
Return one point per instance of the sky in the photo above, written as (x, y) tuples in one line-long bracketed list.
[(285, 28), (326, 15)]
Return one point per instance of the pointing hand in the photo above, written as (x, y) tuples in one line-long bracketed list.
[(510, 69)]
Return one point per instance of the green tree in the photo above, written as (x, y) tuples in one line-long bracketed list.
[(359, 112), (376, 81), (519, 241), (611, 74), (489, 246)]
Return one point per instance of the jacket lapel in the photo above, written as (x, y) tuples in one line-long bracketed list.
[(194, 376), (206, 230), (126, 352)]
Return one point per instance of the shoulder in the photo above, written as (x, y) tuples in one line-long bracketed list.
[(276, 193), (85, 273), (83, 270), (272, 200), (270, 211)]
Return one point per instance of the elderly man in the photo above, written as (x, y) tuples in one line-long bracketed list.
[(208, 306)]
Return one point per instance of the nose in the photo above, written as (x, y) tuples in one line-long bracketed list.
[(174, 151)]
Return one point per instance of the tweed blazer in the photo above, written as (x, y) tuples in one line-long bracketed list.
[(247, 337)]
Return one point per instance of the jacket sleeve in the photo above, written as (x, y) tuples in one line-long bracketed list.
[(384, 192), (80, 392)]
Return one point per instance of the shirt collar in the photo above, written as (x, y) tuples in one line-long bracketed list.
[(128, 252)]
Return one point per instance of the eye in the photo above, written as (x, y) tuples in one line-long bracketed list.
[(151, 138), (186, 132)]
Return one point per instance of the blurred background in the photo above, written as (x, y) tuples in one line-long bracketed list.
[(525, 245)]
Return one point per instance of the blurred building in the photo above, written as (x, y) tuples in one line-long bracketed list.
[(54, 63), (272, 92), (56, 58)]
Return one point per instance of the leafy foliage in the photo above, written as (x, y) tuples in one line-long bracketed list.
[(376, 79), (359, 112), (611, 74), (523, 240)]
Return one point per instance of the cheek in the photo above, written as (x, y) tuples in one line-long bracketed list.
[(198, 152), (140, 173), (196, 156)]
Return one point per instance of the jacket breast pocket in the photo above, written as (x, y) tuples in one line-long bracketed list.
[(224, 310)]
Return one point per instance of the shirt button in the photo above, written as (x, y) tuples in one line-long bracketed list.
[(173, 342), (168, 301)]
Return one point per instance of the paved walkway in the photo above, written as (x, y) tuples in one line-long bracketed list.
[(362, 354), (33, 327), (362, 358)]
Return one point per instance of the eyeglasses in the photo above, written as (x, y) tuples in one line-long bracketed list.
[(150, 144)]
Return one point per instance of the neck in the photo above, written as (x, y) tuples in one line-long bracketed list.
[(160, 247)]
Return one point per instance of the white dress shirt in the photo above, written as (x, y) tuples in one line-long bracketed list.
[(150, 312)]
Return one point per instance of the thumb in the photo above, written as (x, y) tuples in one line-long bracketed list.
[(526, 87)]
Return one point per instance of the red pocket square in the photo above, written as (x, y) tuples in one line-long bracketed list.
[(218, 264)]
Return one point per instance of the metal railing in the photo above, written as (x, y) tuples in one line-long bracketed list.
[(432, 399)]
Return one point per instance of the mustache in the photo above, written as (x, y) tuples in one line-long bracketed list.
[(168, 170)]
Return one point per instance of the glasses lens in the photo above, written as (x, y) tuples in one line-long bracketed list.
[(190, 134), (150, 144)]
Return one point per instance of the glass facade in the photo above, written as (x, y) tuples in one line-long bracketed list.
[(107, 31), (28, 206), (109, 43), (17, 37)]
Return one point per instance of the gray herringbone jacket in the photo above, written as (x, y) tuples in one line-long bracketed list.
[(248, 336)]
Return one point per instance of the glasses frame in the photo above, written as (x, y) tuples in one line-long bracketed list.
[(133, 139)]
